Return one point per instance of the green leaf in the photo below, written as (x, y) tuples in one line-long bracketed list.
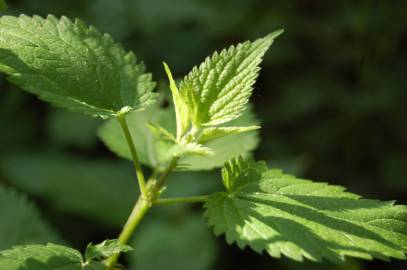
[(217, 91), (212, 133), (45, 257), (81, 132), (72, 65), (181, 243), (105, 249), (21, 222), (154, 140), (72, 185), (282, 215)]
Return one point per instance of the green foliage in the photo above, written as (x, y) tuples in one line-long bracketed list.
[(105, 249), (40, 257), (76, 67), (3, 5), (72, 65), (282, 215), (73, 185), (52, 257), (155, 142), (217, 91), (83, 134), (21, 222), (173, 250)]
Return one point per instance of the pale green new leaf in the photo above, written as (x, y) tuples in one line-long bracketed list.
[(212, 133), (153, 141), (45, 257), (217, 91), (72, 65), (21, 222), (105, 249), (282, 215)]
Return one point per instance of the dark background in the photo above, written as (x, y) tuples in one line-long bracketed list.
[(331, 96)]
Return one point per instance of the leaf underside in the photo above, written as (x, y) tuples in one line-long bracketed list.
[(72, 65), (270, 211)]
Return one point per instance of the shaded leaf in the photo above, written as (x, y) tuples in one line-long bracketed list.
[(167, 245), (21, 222), (73, 184)]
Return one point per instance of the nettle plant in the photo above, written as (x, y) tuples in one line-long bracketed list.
[(76, 67)]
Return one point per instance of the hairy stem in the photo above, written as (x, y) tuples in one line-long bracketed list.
[(192, 199), (143, 204), (137, 167)]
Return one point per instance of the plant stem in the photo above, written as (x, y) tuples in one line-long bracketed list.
[(173, 163), (137, 167), (192, 199), (140, 209), (144, 202)]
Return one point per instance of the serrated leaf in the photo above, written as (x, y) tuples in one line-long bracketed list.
[(282, 215), (72, 65), (16, 212), (105, 249), (154, 151), (45, 257), (217, 91), (212, 133), (71, 184)]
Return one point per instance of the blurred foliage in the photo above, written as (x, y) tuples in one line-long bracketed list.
[(331, 98)]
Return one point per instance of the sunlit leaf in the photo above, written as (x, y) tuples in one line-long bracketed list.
[(72, 65), (270, 211)]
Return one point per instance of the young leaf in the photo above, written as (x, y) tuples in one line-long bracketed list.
[(105, 249), (23, 219), (72, 65), (217, 91), (282, 215), (45, 257), (153, 141)]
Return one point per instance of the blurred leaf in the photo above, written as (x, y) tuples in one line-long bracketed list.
[(86, 71), (152, 151), (68, 128), (3, 5), (178, 244), (21, 222), (100, 189)]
